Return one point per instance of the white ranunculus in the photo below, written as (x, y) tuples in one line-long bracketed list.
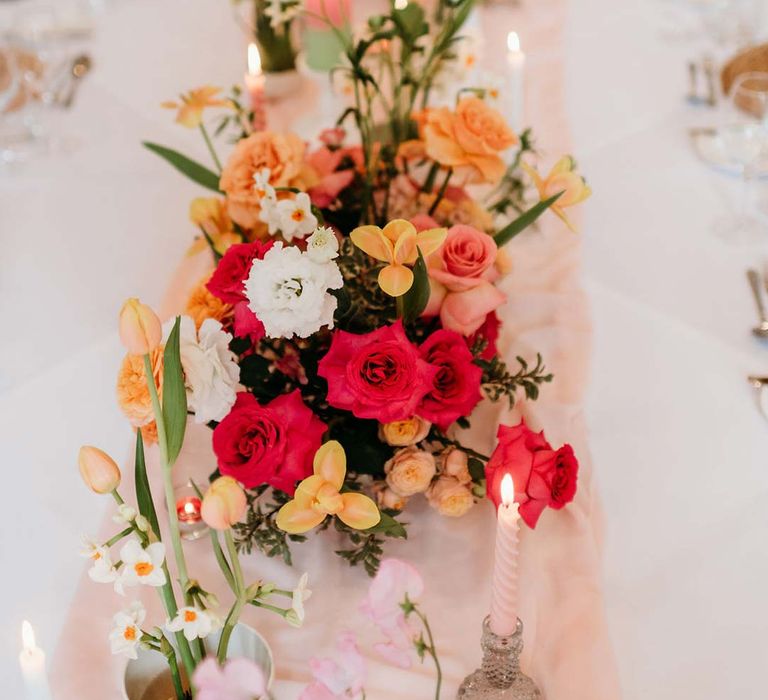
[(210, 369), (288, 292)]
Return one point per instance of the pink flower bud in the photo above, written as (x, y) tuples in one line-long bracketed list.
[(224, 503), (98, 469), (140, 328)]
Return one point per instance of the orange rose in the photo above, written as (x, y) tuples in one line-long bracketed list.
[(202, 304), (132, 390), (282, 153), (468, 140)]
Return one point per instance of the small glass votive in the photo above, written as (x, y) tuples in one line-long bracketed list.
[(499, 676), (188, 511)]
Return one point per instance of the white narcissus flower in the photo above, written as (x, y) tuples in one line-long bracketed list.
[(193, 623), (295, 616), (126, 632), (210, 369), (288, 292), (296, 217), (261, 184), (141, 566), (322, 245), (269, 213), (125, 514), (103, 569)]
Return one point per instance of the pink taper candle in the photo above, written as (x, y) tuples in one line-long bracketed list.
[(504, 593), (254, 81)]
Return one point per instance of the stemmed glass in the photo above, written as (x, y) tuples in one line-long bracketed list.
[(744, 137)]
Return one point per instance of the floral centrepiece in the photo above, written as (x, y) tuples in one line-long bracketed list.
[(360, 282)]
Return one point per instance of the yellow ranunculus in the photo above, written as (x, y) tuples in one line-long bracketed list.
[(396, 245), (562, 178), (319, 496)]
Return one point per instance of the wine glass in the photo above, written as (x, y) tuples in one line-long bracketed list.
[(744, 137)]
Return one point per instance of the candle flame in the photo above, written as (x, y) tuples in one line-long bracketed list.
[(513, 41), (507, 490), (254, 60), (28, 636), (189, 508), (401, 4)]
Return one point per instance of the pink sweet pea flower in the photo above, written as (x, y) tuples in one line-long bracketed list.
[(239, 679), (342, 680)]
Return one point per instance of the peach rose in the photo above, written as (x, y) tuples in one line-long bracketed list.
[(282, 153), (386, 498), (456, 464), (468, 140), (450, 497), (202, 304), (132, 390), (410, 471), (461, 275), (403, 433)]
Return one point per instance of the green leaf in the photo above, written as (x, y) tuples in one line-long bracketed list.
[(143, 492), (524, 221), (193, 170), (476, 469), (388, 526), (174, 394), (416, 298)]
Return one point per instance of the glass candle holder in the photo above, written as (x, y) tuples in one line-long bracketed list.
[(188, 507), (499, 675)]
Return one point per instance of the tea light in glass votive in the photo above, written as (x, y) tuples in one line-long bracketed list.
[(188, 507)]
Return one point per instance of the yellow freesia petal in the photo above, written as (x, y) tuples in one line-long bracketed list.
[(395, 280), (331, 463), (397, 228), (359, 511), (535, 177), (429, 241), (307, 490), (561, 215), (405, 248), (371, 240), (295, 519), (564, 165)]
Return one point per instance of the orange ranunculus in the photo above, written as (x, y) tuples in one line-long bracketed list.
[(282, 153), (210, 214), (396, 245), (202, 304), (468, 140), (132, 390), (319, 496), (192, 103), (562, 178)]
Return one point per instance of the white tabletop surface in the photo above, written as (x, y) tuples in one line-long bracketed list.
[(677, 441)]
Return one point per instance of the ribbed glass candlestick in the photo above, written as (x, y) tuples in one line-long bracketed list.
[(499, 676)]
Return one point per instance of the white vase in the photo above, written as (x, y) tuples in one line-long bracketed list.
[(278, 86), (148, 677)]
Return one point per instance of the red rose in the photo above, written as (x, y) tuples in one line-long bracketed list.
[(456, 386), (543, 476), (268, 444), (377, 375), (228, 279), (489, 331)]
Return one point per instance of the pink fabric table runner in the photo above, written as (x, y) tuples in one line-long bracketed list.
[(567, 652)]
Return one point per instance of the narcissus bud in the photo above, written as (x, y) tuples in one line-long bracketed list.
[(224, 503), (140, 328), (98, 469)]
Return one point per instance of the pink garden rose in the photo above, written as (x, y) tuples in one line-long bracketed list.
[(270, 444), (456, 386), (461, 277), (542, 476), (238, 679), (377, 375)]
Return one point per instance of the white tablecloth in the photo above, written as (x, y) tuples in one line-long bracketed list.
[(676, 439)]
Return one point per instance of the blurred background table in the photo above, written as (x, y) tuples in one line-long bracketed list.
[(679, 446)]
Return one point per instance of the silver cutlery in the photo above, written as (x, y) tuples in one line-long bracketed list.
[(80, 67), (755, 283)]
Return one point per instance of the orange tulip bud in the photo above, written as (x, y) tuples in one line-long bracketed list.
[(98, 469), (140, 328), (224, 503)]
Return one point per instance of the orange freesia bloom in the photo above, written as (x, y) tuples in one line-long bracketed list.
[(396, 244), (193, 103), (319, 496), (210, 214), (562, 178)]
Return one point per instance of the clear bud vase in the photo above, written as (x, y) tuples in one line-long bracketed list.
[(499, 676)]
